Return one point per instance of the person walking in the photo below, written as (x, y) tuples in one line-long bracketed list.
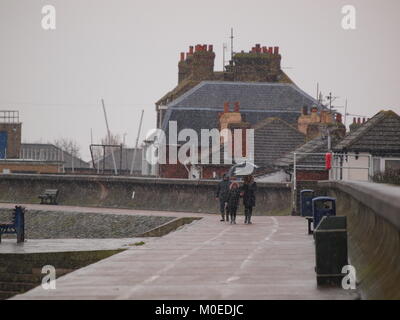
[(249, 197), (222, 196), (233, 201)]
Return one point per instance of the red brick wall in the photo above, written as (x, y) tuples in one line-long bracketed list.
[(29, 167), (177, 171), (13, 139), (312, 175), (208, 171)]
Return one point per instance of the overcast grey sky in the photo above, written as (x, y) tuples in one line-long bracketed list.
[(127, 51)]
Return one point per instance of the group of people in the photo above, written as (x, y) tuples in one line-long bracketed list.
[(229, 193)]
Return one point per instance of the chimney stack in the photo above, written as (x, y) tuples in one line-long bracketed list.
[(237, 107), (182, 56), (226, 107)]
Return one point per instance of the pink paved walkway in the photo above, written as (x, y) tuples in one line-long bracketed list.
[(271, 259)]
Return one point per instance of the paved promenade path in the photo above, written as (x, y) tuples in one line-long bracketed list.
[(270, 259)]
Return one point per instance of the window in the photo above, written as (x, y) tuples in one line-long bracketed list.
[(376, 162), (392, 164), (383, 164)]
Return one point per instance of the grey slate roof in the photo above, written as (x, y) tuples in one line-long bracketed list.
[(50, 152), (257, 96), (379, 136), (274, 138), (198, 108), (317, 145)]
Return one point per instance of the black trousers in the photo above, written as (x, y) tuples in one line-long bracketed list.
[(232, 212), (222, 208), (248, 211)]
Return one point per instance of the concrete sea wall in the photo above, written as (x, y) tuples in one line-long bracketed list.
[(22, 272), (373, 220), (137, 193)]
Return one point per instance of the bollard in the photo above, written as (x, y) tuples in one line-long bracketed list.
[(20, 223)]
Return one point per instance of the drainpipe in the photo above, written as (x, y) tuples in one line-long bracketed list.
[(294, 185)]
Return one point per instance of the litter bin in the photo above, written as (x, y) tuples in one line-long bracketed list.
[(306, 197), (20, 223), (330, 250), (322, 206)]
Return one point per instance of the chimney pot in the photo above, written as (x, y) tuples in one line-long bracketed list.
[(226, 107), (191, 49), (182, 56), (305, 110), (210, 47), (270, 50), (354, 120), (237, 106), (339, 117), (276, 50), (359, 120)]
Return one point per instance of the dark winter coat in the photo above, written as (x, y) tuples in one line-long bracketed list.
[(233, 198), (249, 194), (223, 190)]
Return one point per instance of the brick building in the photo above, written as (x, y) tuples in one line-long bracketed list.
[(10, 134), (269, 102), (323, 131), (17, 157), (260, 64)]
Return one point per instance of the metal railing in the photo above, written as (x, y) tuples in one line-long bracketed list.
[(9, 116)]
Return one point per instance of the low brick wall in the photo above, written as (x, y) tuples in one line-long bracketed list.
[(137, 193), (29, 166), (373, 219)]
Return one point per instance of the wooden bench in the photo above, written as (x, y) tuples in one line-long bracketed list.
[(310, 220), (49, 196), (16, 226)]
